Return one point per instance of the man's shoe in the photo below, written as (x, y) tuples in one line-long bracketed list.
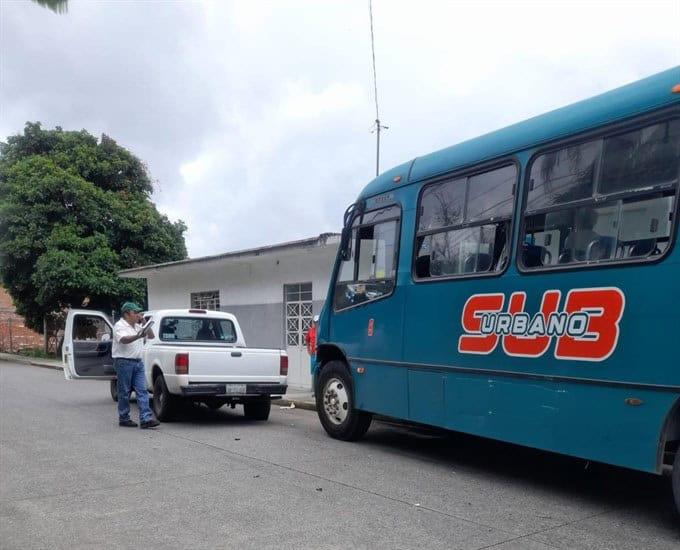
[(149, 424), (127, 423)]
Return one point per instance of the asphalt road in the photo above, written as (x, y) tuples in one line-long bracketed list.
[(71, 478)]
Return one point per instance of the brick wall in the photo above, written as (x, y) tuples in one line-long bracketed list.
[(14, 336)]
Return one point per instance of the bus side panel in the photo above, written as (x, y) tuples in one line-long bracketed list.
[(381, 389), (581, 420), (426, 391), (586, 421), (579, 417), (596, 423), (523, 409)]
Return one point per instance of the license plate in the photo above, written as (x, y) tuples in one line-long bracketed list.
[(235, 388)]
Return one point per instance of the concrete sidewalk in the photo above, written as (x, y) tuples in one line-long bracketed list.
[(297, 399), (34, 361)]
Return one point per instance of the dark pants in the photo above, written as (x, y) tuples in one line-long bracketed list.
[(130, 374)]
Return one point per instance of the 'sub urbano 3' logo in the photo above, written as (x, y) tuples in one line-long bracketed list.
[(585, 328)]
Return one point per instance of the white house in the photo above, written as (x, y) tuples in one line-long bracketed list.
[(274, 291)]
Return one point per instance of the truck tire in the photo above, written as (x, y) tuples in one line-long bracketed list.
[(257, 410), (335, 404), (163, 402), (114, 391), (675, 480)]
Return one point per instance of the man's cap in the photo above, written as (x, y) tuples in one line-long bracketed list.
[(130, 306)]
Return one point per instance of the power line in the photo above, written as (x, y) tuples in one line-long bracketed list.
[(377, 127)]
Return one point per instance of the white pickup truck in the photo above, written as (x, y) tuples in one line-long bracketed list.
[(195, 355)]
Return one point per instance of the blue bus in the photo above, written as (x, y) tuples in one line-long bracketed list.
[(523, 285)]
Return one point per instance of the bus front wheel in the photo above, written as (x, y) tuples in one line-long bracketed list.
[(676, 479), (335, 404)]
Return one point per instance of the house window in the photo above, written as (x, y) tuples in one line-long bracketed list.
[(299, 312), (209, 299)]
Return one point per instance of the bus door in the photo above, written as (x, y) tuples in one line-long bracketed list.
[(367, 317)]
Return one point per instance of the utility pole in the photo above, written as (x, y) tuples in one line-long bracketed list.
[(377, 128)]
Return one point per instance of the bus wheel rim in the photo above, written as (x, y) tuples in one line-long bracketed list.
[(336, 401)]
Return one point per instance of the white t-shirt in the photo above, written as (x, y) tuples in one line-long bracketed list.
[(126, 351)]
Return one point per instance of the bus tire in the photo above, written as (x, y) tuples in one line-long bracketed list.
[(675, 477), (335, 404)]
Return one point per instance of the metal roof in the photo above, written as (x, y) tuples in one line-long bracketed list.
[(321, 240), (645, 95)]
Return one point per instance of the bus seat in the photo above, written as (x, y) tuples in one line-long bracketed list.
[(423, 266), (565, 257), (600, 248), (532, 255), (481, 261), (643, 247)]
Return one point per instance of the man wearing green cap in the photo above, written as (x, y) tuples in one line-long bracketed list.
[(127, 350)]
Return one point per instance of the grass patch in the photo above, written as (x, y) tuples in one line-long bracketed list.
[(38, 353)]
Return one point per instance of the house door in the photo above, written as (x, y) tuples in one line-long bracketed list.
[(299, 314)]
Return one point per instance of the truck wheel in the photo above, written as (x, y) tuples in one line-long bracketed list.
[(257, 410), (163, 402), (335, 404), (676, 480), (114, 391)]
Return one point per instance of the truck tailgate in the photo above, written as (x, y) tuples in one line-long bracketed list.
[(229, 363)]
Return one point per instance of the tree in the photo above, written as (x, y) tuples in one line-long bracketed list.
[(75, 210), (57, 6)]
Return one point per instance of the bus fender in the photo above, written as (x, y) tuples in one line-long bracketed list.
[(325, 353), (329, 352), (669, 438)]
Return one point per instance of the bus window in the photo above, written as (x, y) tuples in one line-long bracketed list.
[(625, 213), (563, 176), (346, 272), (464, 225), (370, 270)]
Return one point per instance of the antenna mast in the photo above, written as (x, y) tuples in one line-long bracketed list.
[(377, 127)]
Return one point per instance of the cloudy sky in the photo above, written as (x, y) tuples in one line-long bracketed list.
[(254, 117)]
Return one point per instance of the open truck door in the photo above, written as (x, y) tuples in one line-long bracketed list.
[(86, 351)]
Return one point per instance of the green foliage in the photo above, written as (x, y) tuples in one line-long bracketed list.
[(74, 211), (38, 353), (57, 6)]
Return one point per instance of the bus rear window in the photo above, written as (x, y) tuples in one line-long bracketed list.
[(627, 211)]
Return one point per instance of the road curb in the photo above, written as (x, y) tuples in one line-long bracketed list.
[(10, 358), (305, 405)]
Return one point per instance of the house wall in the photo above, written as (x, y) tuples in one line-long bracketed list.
[(252, 289)]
